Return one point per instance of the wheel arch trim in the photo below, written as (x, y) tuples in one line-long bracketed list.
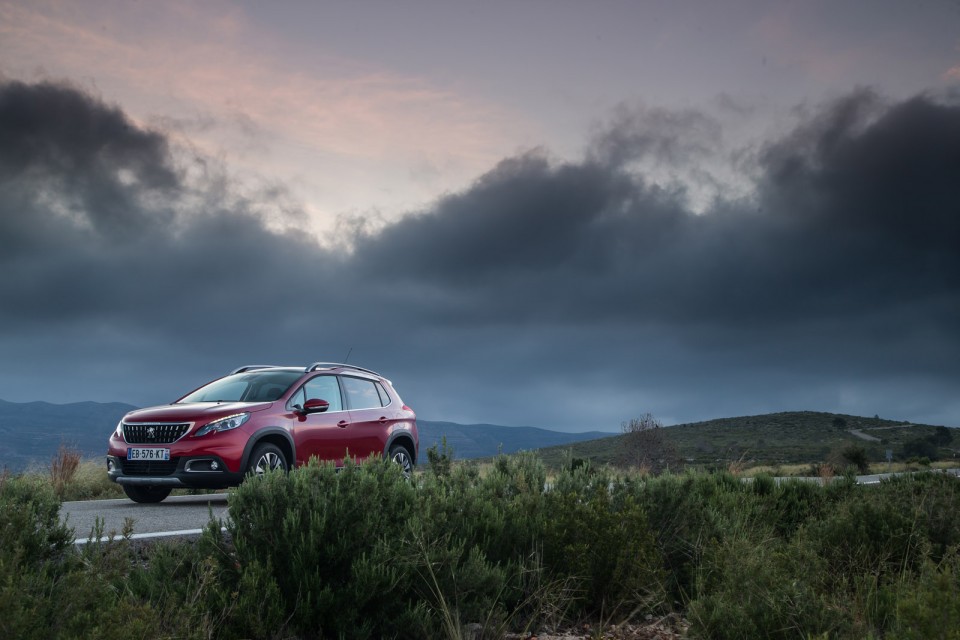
[(272, 434), (404, 437)]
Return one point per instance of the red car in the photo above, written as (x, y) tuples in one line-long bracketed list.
[(259, 418)]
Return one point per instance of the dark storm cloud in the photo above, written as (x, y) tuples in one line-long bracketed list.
[(670, 137), (54, 136), (871, 195), (100, 221), (843, 265), (890, 176), (853, 213)]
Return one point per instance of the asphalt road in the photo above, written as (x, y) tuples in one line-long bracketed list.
[(874, 478), (175, 516)]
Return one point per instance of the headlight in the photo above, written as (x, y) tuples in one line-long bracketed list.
[(224, 424)]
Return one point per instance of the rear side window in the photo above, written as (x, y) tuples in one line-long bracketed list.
[(384, 396), (361, 393)]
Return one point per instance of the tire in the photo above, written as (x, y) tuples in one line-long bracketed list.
[(266, 457), (146, 495), (401, 455)]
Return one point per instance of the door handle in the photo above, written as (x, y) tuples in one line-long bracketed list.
[(383, 419), (343, 424)]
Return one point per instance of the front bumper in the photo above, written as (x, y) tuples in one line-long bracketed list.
[(197, 472)]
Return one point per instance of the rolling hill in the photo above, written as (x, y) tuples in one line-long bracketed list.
[(776, 438)]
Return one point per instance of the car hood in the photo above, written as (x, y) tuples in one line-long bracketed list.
[(193, 412)]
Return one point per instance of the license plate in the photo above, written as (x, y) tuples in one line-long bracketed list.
[(146, 453)]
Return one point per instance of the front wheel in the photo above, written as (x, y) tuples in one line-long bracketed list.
[(400, 455), (266, 457), (146, 495)]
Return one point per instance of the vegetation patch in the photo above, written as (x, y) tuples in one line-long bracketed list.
[(456, 553)]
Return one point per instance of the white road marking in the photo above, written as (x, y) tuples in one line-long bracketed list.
[(143, 536)]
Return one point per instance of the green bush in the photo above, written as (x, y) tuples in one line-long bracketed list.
[(458, 582), (458, 549), (794, 503), (364, 553), (30, 527), (928, 605), (756, 586), (325, 543), (50, 590), (856, 456), (440, 458), (491, 528), (598, 535), (764, 484), (868, 534), (688, 513), (920, 448), (734, 554)]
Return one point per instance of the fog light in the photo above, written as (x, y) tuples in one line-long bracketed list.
[(214, 466), (109, 465)]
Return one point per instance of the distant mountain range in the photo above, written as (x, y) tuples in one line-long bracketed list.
[(484, 440), (31, 432)]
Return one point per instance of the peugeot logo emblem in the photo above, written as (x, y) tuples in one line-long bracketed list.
[(151, 433)]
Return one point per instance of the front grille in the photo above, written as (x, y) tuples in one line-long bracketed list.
[(149, 467), (154, 433)]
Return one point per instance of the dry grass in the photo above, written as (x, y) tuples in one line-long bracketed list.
[(779, 471), (63, 468), (805, 470), (87, 481), (91, 483), (900, 467), (825, 472), (736, 468)]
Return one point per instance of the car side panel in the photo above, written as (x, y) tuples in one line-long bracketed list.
[(368, 431), (321, 435)]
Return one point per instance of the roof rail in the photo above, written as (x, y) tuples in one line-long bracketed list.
[(331, 365), (251, 367)]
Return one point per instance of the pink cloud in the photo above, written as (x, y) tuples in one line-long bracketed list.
[(347, 127), (788, 39)]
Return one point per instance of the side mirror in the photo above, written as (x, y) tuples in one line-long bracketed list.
[(315, 405)]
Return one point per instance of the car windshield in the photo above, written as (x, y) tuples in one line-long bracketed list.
[(253, 386)]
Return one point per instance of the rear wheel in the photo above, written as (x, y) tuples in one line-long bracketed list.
[(266, 457), (146, 494), (401, 455)]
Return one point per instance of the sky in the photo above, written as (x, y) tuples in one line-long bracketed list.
[(555, 214)]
